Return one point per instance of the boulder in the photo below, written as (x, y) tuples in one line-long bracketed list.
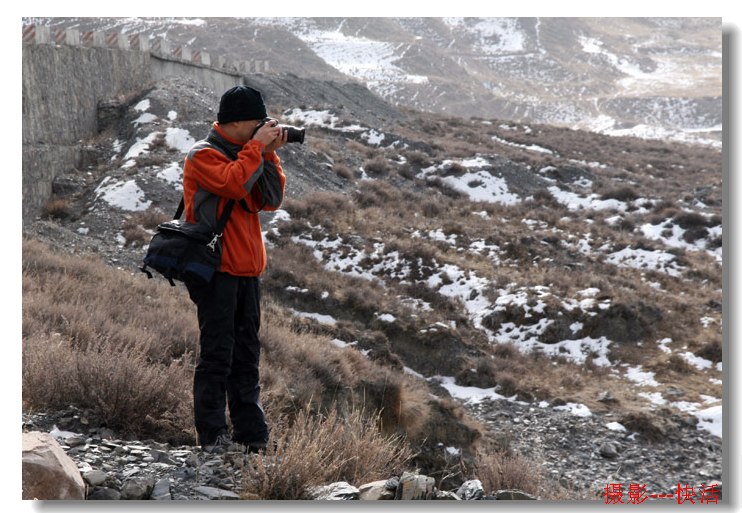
[(376, 491), (137, 488), (415, 487), (47, 472), (340, 491), (471, 490)]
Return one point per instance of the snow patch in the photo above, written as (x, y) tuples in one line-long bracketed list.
[(124, 195)]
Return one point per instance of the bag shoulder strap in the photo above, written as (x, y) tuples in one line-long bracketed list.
[(221, 224), (229, 153)]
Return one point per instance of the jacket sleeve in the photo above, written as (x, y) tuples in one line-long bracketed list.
[(219, 175), (269, 190)]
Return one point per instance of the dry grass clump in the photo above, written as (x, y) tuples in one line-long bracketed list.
[(309, 370), (87, 302), (643, 424), (57, 208), (318, 206), (316, 449), (377, 193), (98, 338), (621, 194), (139, 227), (121, 384), (417, 158), (710, 351), (504, 470), (378, 166), (149, 219), (343, 171)]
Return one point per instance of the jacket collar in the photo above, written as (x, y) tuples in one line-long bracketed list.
[(218, 138)]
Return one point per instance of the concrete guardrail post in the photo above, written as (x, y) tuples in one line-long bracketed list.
[(38, 34), (99, 39), (73, 37)]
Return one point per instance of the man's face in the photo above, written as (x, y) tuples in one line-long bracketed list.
[(245, 128)]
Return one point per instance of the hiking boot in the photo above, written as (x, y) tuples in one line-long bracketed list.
[(223, 443)]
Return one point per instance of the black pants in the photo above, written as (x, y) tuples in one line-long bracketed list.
[(227, 372)]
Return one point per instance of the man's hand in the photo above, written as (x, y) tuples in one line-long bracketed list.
[(278, 141), (268, 133)]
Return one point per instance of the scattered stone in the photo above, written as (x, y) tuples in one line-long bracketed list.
[(340, 491), (440, 495), (513, 495), (104, 494), (606, 397), (95, 477), (608, 450), (471, 490), (392, 483), (216, 493), (137, 489), (162, 490)]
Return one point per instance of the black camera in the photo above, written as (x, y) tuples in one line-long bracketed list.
[(295, 135)]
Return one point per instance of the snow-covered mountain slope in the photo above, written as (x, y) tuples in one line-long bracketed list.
[(649, 77)]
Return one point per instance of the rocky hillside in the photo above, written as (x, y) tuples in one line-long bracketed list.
[(563, 286), (650, 77)]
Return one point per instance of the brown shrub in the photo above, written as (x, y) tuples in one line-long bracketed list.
[(431, 208), (417, 158), (120, 384), (318, 449), (149, 219), (710, 351), (57, 208), (502, 470), (677, 364), (318, 206), (343, 171), (454, 169), (644, 425), (621, 194), (377, 193), (377, 166), (688, 220)]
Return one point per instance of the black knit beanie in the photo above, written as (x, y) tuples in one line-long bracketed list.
[(240, 103)]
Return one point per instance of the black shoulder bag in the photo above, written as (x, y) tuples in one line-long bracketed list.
[(181, 250)]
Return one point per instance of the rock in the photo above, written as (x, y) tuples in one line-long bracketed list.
[(216, 493), (415, 487), (606, 397), (440, 495), (674, 392), (340, 491), (104, 494), (392, 483), (47, 472), (95, 477), (162, 490), (513, 495), (376, 491), (75, 440), (471, 490), (608, 450), (137, 488)]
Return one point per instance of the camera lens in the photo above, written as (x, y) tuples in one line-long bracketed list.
[(295, 135)]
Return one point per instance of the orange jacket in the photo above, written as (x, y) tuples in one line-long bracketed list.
[(218, 169)]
